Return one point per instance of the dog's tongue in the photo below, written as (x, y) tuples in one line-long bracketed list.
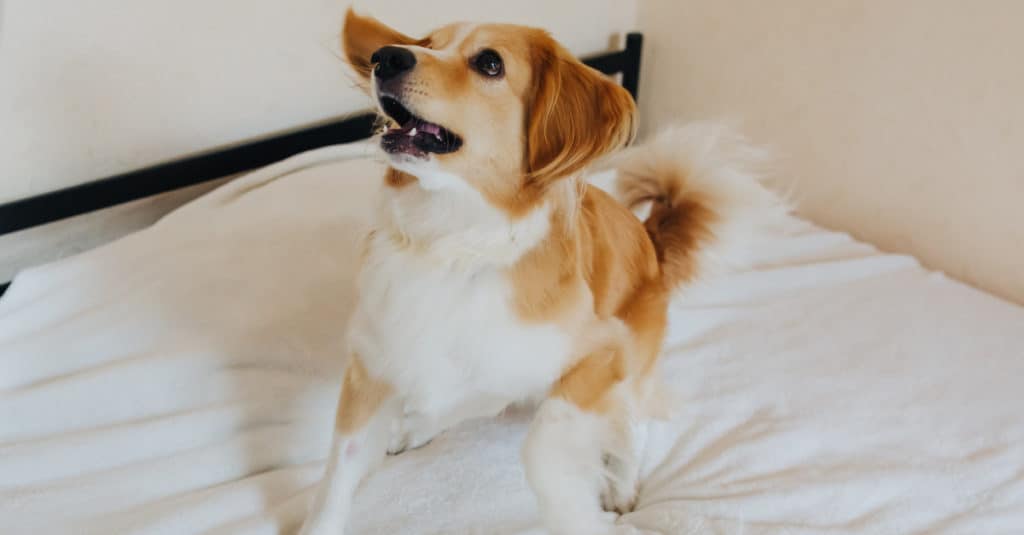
[(428, 138), (429, 128), (417, 126)]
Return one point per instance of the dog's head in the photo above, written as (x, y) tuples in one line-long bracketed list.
[(502, 109)]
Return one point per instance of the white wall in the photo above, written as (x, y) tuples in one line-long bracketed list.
[(89, 88), (900, 121)]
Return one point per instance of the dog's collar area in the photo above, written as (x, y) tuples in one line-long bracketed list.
[(414, 135)]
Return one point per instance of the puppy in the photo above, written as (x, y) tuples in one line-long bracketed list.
[(495, 273)]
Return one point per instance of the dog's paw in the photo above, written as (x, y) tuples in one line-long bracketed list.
[(407, 441), (616, 499), (621, 487), (410, 433)]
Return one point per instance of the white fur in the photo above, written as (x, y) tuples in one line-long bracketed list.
[(431, 176), (436, 322), (457, 226), (434, 272), (350, 459), (722, 166), (563, 460)]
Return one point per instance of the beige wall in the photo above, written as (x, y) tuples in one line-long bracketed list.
[(90, 88), (901, 121)]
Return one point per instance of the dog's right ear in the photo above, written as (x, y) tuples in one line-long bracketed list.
[(362, 36)]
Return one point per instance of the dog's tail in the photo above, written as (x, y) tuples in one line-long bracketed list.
[(707, 205)]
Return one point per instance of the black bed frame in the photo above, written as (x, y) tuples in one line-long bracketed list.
[(225, 161)]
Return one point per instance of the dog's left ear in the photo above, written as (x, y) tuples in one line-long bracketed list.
[(362, 36), (576, 114)]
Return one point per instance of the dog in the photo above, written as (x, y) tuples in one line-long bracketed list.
[(495, 273)]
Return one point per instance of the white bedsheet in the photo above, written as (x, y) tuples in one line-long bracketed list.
[(183, 380)]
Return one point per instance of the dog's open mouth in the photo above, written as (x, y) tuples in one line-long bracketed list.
[(413, 135)]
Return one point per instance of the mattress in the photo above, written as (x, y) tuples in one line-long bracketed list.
[(183, 380)]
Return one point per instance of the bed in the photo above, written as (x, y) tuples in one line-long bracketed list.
[(179, 380)]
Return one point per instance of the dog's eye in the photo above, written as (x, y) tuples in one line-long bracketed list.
[(488, 63)]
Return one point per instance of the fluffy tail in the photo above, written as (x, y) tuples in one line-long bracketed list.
[(707, 206)]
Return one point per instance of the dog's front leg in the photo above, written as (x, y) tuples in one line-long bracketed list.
[(362, 428), (577, 432)]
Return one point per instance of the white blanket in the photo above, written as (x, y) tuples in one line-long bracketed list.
[(183, 380)]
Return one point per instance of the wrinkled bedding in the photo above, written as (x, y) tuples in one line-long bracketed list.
[(183, 380)]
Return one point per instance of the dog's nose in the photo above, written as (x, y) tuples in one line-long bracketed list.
[(391, 61)]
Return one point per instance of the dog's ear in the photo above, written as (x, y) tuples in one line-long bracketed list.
[(362, 36), (575, 115)]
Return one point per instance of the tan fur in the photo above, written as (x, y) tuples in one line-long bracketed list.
[(576, 114), (548, 280), (680, 221), (361, 396), (397, 179), (589, 380), (608, 252), (620, 258)]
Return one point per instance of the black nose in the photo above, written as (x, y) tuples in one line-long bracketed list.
[(391, 61)]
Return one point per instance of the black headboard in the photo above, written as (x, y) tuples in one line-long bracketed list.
[(224, 161)]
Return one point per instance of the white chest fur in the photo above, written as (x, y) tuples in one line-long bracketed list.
[(435, 319)]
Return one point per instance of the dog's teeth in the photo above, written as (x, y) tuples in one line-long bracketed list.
[(412, 132)]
